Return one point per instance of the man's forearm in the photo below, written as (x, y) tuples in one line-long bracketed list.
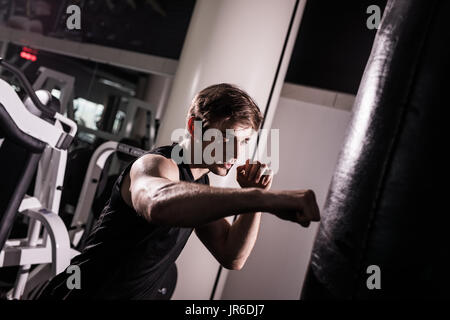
[(189, 204), (241, 238)]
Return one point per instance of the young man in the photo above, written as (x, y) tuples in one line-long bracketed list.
[(156, 203)]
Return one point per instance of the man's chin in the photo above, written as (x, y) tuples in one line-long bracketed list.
[(220, 171)]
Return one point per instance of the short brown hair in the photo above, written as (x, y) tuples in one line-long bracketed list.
[(225, 102)]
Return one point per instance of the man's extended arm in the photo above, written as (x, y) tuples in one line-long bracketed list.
[(158, 197)]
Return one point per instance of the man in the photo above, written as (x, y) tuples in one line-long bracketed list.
[(156, 203)]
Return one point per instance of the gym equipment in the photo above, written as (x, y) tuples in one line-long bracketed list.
[(33, 138), (386, 214), (130, 108), (47, 190), (131, 112), (49, 79)]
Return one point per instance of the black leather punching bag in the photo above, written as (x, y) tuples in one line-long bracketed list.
[(388, 203)]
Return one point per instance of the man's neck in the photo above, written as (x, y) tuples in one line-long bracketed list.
[(197, 170)]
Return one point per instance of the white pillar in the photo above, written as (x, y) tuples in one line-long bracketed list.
[(235, 41)]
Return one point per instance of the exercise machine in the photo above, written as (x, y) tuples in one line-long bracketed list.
[(51, 80), (32, 138)]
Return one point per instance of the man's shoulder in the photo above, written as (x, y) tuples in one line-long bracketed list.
[(165, 151), (155, 165), (146, 166)]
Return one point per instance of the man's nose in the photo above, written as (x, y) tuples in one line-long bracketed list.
[(236, 152)]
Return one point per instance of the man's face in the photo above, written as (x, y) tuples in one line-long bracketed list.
[(234, 140)]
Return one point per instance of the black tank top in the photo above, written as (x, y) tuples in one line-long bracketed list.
[(125, 256)]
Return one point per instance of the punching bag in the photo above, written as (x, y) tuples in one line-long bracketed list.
[(385, 229)]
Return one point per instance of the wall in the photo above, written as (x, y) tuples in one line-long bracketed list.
[(312, 125)]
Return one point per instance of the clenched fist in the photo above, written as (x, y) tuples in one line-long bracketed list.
[(254, 175), (298, 206)]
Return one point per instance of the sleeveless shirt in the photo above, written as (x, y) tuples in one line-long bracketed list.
[(125, 257)]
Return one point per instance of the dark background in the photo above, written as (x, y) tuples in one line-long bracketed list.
[(331, 50), (333, 45)]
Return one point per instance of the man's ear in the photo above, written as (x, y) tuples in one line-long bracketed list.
[(191, 125)]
